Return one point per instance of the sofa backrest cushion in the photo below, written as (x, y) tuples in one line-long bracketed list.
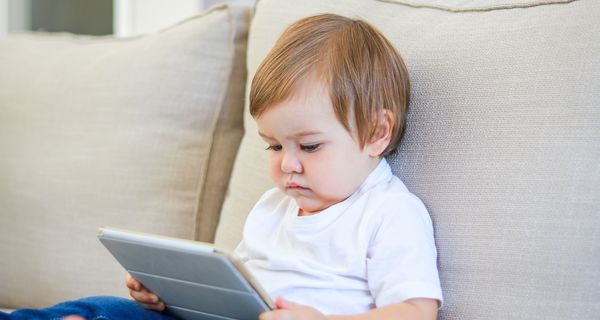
[(503, 146), (120, 132)]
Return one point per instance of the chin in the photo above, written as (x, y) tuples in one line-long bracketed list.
[(307, 207), (312, 208), (312, 204)]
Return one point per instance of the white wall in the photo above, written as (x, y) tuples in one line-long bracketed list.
[(18, 15), (15, 16), (3, 18)]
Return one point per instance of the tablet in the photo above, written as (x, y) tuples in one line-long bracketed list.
[(194, 279)]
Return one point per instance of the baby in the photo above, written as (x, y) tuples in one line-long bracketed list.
[(340, 236)]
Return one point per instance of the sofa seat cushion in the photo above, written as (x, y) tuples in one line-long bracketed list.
[(120, 132)]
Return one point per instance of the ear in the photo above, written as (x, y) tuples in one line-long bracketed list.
[(383, 133)]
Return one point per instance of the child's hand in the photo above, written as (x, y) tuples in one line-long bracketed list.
[(287, 310), (142, 295)]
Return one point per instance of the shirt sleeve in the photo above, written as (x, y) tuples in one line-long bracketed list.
[(402, 257)]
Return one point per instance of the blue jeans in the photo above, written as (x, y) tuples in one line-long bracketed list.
[(93, 308)]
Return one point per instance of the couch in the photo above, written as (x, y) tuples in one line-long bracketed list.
[(150, 133)]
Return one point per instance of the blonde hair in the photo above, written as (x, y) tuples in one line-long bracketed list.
[(362, 70)]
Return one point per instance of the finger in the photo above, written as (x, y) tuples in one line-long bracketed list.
[(270, 315), (264, 316), (153, 306), (144, 296), (73, 317), (282, 303), (132, 283)]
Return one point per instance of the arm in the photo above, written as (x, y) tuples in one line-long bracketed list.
[(413, 309), (417, 309)]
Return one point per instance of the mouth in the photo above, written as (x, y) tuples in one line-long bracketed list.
[(294, 186)]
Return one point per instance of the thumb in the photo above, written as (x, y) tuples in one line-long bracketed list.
[(282, 303)]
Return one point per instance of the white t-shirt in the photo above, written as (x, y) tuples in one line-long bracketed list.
[(373, 249)]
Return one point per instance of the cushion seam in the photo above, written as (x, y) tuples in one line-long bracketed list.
[(478, 9)]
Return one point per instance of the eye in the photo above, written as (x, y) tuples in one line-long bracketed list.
[(274, 147), (310, 147)]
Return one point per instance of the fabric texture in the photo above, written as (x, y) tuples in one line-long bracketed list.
[(227, 134), (101, 131), (374, 248), (91, 308), (502, 146)]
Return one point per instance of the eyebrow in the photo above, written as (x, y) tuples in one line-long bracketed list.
[(294, 135)]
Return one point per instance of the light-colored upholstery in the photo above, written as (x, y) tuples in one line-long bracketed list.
[(135, 133), (227, 133), (503, 146)]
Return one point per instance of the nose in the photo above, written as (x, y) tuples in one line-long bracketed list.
[(290, 163)]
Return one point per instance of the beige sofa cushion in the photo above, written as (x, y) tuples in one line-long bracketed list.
[(104, 131), (227, 133), (503, 146)]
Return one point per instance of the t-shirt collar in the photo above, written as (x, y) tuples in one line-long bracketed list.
[(383, 172)]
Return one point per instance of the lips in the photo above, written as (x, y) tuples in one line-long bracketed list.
[(294, 186)]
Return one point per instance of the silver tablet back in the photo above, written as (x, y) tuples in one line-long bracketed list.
[(194, 280)]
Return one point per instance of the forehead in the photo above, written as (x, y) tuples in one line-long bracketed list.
[(308, 109)]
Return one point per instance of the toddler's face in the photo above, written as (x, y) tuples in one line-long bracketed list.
[(312, 157)]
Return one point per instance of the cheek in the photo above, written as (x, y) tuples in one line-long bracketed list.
[(274, 166), (324, 169), (333, 173)]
